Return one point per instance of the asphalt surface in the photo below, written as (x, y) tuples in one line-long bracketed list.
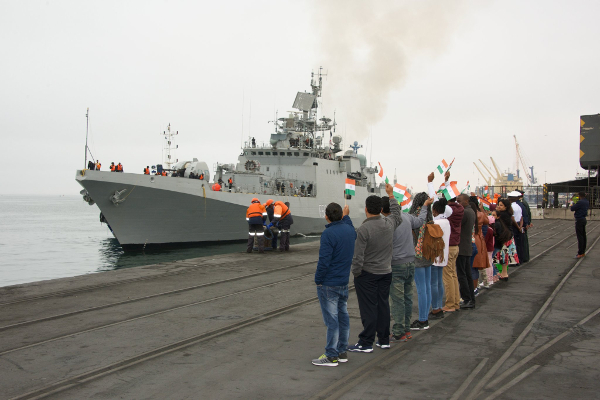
[(248, 325)]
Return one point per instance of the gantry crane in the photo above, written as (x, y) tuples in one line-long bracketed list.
[(530, 177)]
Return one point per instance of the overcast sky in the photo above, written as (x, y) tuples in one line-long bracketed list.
[(426, 79)]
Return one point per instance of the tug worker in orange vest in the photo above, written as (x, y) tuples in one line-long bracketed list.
[(147, 170), (201, 176), (256, 215), (112, 167), (270, 207), (230, 182), (119, 167), (98, 165), (164, 173), (282, 219)]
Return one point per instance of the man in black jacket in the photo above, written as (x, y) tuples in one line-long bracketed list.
[(581, 209), (465, 252)]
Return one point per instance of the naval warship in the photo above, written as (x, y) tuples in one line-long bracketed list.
[(304, 163)]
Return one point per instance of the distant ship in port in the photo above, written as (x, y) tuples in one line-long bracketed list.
[(304, 164)]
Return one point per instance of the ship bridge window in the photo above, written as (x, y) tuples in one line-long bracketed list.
[(253, 153), (289, 153), (260, 153), (296, 154), (305, 154), (268, 153)]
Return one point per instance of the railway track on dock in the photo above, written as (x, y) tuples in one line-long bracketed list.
[(492, 379), (72, 381)]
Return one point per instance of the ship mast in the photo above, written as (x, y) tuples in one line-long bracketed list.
[(87, 125), (169, 138)]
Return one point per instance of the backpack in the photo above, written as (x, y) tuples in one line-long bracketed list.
[(433, 243)]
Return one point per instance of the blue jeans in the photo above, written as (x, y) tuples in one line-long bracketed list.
[(437, 288), (474, 271), (333, 300), (423, 281), (401, 295)]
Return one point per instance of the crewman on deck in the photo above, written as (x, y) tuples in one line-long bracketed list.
[(119, 167), (256, 215), (98, 165), (282, 219), (230, 182), (113, 168), (146, 170), (164, 173), (270, 207), (201, 176)]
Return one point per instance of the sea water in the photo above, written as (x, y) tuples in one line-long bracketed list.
[(47, 237)]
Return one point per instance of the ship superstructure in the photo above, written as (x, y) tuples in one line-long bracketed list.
[(303, 163)]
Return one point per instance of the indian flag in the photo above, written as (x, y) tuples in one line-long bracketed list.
[(380, 170), (451, 191), (442, 167), (467, 188), (406, 204), (350, 187), (485, 190), (485, 203), (399, 192)]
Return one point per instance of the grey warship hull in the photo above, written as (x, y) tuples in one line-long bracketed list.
[(164, 211)]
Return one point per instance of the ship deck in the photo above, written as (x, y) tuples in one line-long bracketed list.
[(247, 326)]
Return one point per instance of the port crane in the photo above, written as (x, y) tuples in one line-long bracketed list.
[(520, 158)]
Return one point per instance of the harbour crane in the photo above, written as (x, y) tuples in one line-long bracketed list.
[(520, 158)]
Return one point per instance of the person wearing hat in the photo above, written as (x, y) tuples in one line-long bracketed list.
[(256, 216), (581, 210), (526, 224), (517, 226)]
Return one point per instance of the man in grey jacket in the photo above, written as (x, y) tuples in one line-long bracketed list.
[(403, 273), (371, 267)]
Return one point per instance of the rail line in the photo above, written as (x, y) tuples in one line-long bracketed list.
[(189, 269), (139, 317), (151, 354), (483, 382), (118, 303)]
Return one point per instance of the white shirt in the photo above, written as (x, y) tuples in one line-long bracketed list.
[(517, 212)]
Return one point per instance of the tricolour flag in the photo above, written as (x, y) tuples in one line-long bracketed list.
[(442, 167), (406, 204), (350, 187), (451, 191), (380, 170), (467, 188), (485, 204), (485, 190), (399, 192)]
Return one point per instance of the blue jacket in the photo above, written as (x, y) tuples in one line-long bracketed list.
[(581, 208), (335, 253)]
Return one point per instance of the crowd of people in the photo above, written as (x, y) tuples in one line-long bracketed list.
[(450, 249)]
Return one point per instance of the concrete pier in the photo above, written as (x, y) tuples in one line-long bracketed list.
[(247, 326)]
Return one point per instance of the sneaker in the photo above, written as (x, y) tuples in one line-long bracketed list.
[(437, 315), (325, 361), (580, 256), (476, 292), (360, 348), (343, 357), (395, 338), (408, 335), (419, 325), (487, 286), (383, 346)]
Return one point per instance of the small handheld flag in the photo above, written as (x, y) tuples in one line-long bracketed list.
[(406, 204), (442, 167), (350, 187), (380, 170), (399, 192), (451, 191)]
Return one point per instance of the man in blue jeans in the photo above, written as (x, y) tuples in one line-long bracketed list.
[(333, 273)]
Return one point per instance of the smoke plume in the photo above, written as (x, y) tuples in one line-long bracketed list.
[(367, 47)]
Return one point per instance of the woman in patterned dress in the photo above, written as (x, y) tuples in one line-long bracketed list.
[(505, 252)]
